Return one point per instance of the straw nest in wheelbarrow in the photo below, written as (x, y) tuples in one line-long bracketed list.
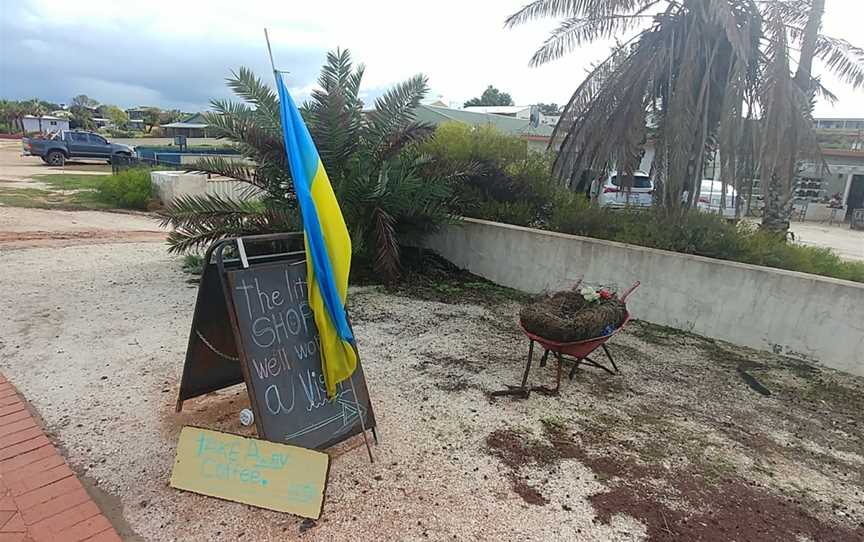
[(568, 316)]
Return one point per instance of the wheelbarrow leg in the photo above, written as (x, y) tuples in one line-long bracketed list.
[(558, 373), (552, 391), (521, 390), (608, 355), (544, 358), (575, 366), (528, 365)]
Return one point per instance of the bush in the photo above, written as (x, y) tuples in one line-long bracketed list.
[(505, 182), (698, 233), (458, 142), (128, 189)]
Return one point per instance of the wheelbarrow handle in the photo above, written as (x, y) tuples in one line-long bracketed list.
[(629, 291)]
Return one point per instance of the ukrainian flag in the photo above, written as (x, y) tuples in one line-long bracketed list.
[(328, 246)]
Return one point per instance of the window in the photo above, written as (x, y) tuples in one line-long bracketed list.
[(77, 137), (639, 181), (53, 123), (97, 140)]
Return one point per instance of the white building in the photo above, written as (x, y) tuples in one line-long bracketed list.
[(515, 111), (46, 123)]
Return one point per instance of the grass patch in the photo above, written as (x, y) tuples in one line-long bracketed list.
[(34, 198), (71, 181), (128, 189)]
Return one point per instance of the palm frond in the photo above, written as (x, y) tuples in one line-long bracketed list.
[(576, 31), (197, 221), (333, 113), (394, 112), (245, 84), (845, 60), (398, 139), (387, 246), (542, 9)]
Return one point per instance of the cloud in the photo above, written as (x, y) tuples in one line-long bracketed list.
[(177, 54), (120, 64)]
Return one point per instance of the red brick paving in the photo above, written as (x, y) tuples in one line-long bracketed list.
[(41, 499)]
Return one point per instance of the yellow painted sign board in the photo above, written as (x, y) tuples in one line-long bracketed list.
[(251, 471)]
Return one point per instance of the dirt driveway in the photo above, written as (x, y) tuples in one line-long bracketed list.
[(16, 171)]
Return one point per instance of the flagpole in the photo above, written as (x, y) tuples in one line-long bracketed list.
[(350, 378), (269, 50)]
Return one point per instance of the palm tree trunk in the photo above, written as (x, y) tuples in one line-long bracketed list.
[(778, 195)]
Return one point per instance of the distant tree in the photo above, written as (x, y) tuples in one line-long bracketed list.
[(118, 117), (549, 109), (36, 108), (491, 96), (151, 118), (11, 113), (82, 100), (169, 116), (81, 118)]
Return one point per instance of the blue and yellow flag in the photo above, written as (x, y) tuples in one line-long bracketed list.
[(328, 246)]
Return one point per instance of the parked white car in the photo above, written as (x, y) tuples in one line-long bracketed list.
[(710, 195), (609, 193)]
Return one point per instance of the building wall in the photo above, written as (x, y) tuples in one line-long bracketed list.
[(797, 314), (48, 126)]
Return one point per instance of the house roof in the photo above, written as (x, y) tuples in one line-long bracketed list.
[(196, 120), (43, 117), (185, 125), (498, 109), (509, 125)]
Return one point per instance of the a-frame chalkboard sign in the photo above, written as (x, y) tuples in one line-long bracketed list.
[(253, 324)]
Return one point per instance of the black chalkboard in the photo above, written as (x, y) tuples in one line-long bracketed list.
[(281, 362)]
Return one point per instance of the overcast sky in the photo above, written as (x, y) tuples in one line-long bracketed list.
[(177, 53)]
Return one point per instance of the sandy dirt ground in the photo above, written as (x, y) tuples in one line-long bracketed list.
[(23, 228), (681, 446)]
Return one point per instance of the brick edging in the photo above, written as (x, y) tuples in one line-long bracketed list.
[(41, 499)]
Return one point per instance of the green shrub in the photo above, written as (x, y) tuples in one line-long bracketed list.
[(505, 182), (519, 213), (697, 233), (458, 142), (128, 189)]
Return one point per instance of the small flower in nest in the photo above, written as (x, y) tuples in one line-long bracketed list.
[(589, 294), (605, 294)]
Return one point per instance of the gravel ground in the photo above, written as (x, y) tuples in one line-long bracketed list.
[(677, 446)]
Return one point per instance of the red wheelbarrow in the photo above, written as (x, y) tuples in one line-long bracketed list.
[(578, 352)]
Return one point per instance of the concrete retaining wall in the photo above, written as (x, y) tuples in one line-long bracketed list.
[(170, 185), (797, 314)]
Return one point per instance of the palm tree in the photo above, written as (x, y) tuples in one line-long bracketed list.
[(36, 108), (12, 112), (700, 75), (382, 183)]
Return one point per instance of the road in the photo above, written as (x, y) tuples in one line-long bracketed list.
[(846, 242)]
